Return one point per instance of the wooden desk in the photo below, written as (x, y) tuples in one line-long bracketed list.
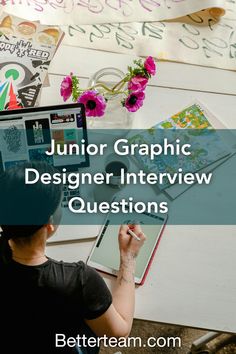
[(192, 278)]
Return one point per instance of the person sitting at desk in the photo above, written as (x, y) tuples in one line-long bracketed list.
[(43, 297)]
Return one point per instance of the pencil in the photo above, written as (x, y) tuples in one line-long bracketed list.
[(133, 235)]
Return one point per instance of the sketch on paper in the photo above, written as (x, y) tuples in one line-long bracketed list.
[(202, 38), (66, 12)]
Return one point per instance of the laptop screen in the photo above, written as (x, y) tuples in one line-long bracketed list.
[(27, 134)]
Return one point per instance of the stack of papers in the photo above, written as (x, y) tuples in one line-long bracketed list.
[(26, 51)]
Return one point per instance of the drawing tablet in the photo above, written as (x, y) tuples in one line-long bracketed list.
[(105, 254)]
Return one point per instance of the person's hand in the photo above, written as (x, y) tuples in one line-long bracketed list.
[(129, 246)]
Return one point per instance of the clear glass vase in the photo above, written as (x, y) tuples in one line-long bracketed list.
[(116, 116)]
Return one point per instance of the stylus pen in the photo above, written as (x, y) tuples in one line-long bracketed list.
[(133, 235)]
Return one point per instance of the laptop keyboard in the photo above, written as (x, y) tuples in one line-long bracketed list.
[(68, 194)]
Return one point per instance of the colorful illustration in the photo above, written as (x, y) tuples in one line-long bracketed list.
[(38, 131), (190, 126), (26, 50), (8, 75), (13, 144), (191, 118), (65, 138), (40, 155), (60, 119), (33, 30), (23, 68)]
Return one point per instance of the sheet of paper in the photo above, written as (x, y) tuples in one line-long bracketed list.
[(201, 39), (55, 12), (209, 147), (229, 138), (23, 69), (32, 30)]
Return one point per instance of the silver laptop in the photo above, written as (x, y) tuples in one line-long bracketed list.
[(27, 133)]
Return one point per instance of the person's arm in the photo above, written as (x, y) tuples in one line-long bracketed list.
[(117, 320)]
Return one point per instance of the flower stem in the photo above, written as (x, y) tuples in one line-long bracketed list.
[(119, 84), (112, 90), (100, 85)]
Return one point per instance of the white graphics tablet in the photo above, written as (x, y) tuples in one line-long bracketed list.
[(105, 254)]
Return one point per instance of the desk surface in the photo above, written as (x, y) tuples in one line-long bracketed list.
[(192, 278)]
